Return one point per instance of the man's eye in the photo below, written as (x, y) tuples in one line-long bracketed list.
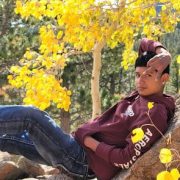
[(148, 75)]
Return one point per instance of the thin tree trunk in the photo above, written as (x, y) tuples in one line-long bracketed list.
[(96, 99), (65, 121), (112, 84), (65, 116)]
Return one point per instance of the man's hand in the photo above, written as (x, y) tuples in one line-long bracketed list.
[(91, 143), (159, 62)]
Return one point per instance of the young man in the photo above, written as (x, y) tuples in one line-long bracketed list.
[(101, 147), (108, 138)]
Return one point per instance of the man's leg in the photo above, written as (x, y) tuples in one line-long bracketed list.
[(55, 146), (21, 145)]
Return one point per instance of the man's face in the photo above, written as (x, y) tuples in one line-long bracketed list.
[(148, 83)]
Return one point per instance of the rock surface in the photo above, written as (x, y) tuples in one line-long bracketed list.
[(13, 167), (9, 171)]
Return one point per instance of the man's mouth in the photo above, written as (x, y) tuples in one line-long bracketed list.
[(141, 88)]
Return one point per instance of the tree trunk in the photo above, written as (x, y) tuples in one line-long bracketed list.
[(112, 84), (96, 99), (65, 121)]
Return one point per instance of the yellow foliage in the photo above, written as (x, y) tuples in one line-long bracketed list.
[(175, 173), (166, 175), (129, 57), (178, 59), (165, 155), (83, 23), (42, 89)]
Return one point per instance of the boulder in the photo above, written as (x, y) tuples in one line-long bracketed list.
[(4, 156), (30, 179), (59, 177), (10, 171), (33, 169), (148, 165)]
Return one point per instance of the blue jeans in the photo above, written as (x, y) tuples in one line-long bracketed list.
[(32, 133)]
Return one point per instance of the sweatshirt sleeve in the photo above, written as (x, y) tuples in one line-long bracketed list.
[(124, 158), (148, 45)]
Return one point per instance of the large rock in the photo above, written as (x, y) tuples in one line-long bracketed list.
[(14, 167), (59, 177), (10, 171), (148, 165), (33, 169), (4, 156)]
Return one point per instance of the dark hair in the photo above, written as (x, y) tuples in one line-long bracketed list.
[(142, 60)]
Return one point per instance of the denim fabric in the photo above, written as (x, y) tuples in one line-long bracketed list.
[(32, 133)]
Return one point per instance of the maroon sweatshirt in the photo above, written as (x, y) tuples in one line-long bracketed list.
[(113, 129)]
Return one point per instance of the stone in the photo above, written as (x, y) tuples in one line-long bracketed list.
[(148, 165), (10, 171), (49, 170), (28, 179), (60, 177), (5, 156), (34, 169), (30, 167)]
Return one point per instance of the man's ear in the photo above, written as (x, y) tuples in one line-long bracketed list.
[(165, 77)]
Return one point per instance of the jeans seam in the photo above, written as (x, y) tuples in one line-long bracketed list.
[(17, 139)]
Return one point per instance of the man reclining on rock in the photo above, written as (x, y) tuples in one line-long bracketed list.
[(103, 146)]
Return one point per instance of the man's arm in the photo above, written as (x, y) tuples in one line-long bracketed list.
[(125, 157), (149, 45), (160, 61), (91, 143)]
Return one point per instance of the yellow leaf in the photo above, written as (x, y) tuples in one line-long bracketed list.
[(59, 35), (28, 55), (10, 77), (15, 69), (18, 8), (175, 173), (138, 135), (165, 155), (178, 59), (150, 105), (69, 93), (164, 175), (164, 8)]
